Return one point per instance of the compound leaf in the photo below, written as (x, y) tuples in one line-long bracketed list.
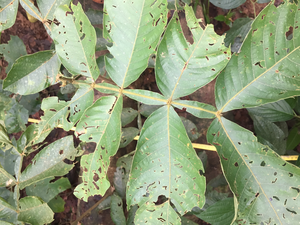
[(266, 70), (135, 33), (32, 73), (266, 186), (8, 13), (100, 123), (75, 41), (181, 67), (49, 162), (165, 164)]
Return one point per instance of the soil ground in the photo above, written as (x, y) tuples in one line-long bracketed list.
[(36, 39)]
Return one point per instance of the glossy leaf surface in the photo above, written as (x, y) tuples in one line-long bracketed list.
[(75, 41), (266, 70), (100, 123), (32, 73), (165, 164), (181, 67), (266, 186), (135, 33)]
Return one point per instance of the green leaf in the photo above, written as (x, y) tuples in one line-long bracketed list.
[(75, 41), (265, 71), (13, 50), (198, 109), (134, 40), (274, 112), (190, 128), (171, 4), (146, 110), (227, 4), (266, 186), (35, 211), (57, 204), (47, 190), (7, 212), (128, 134), (165, 164), (121, 175), (47, 8), (8, 13), (152, 98), (5, 142), (95, 16), (32, 73), (220, 213), (128, 115), (31, 102), (6, 179), (293, 139), (237, 33), (64, 113), (49, 162), (100, 123), (31, 9), (271, 134), (181, 67), (101, 42), (16, 118), (116, 210)]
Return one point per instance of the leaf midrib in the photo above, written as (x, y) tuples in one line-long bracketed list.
[(245, 163), (187, 62), (133, 46), (255, 79)]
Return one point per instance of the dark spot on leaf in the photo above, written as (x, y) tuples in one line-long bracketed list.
[(274, 181), (284, 164), (201, 172), (258, 63), (291, 175), (250, 162), (239, 143), (71, 13), (224, 157), (297, 189), (216, 144), (257, 194), (207, 58), (289, 33), (291, 211), (254, 31), (61, 152), (276, 198), (262, 163), (95, 177), (236, 164), (262, 17), (213, 134)]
